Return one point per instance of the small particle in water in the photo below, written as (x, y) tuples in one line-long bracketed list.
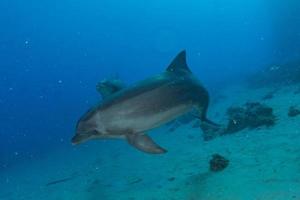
[(26, 42), (16, 153), (274, 68), (60, 81), (10, 89)]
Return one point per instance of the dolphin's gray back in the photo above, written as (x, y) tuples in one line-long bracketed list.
[(136, 90), (165, 84)]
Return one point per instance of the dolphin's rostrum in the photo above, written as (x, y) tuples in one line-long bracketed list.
[(129, 112)]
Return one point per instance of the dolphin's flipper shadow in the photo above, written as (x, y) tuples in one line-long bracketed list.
[(144, 143)]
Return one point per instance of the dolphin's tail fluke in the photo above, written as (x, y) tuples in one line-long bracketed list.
[(210, 129), (211, 123)]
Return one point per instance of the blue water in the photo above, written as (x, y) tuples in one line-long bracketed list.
[(53, 53)]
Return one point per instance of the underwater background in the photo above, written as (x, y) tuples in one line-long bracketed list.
[(53, 54)]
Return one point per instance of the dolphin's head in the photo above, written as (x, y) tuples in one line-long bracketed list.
[(86, 128)]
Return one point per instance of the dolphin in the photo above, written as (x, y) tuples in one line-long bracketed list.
[(128, 113)]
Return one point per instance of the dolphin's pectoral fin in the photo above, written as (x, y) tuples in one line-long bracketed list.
[(144, 143)]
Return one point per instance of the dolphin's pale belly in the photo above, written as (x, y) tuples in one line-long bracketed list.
[(141, 123), (146, 111), (149, 121)]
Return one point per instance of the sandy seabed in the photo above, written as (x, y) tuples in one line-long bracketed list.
[(264, 163)]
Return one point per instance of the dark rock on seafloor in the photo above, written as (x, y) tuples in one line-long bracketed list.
[(218, 163), (293, 111), (251, 115)]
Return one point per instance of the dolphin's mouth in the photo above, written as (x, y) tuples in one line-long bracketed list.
[(79, 138), (83, 137), (74, 140)]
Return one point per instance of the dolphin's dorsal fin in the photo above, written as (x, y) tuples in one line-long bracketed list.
[(108, 87), (178, 64)]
